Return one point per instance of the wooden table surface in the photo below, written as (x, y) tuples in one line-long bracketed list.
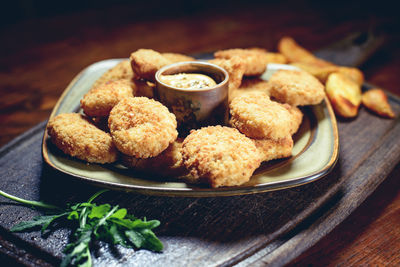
[(41, 51)]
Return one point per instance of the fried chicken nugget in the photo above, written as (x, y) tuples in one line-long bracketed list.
[(235, 67), (220, 156), (100, 100), (175, 57), (142, 127), (256, 116), (297, 88), (274, 149), (250, 85), (168, 163), (296, 118), (255, 59), (146, 62), (122, 70), (76, 136)]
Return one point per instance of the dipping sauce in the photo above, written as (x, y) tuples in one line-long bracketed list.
[(188, 80)]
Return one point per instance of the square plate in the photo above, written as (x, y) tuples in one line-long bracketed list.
[(315, 151)]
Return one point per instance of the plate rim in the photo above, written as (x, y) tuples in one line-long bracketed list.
[(188, 192)]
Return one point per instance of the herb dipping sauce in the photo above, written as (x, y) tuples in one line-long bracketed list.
[(188, 80)]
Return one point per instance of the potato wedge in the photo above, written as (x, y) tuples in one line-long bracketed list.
[(319, 72), (353, 73), (295, 53), (376, 100), (344, 94)]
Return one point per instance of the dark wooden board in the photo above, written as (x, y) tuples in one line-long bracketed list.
[(263, 228)]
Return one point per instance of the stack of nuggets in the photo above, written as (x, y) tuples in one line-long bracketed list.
[(143, 132)]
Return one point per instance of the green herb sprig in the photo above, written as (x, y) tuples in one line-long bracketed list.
[(92, 222)]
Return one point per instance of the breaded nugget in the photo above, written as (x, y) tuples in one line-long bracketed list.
[(256, 116), (100, 100), (220, 155), (175, 57), (122, 70), (255, 59), (169, 163), (250, 85), (146, 62), (296, 117), (76, 136), (144, 88), (142, 127), (235, 68), (297, 88), (274, 149)]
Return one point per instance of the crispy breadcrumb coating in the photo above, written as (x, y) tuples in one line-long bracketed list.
[(146, 62), (122, 70), (169, 163), (255, 59), (256, 116), (274, 149), (175, 57), (100, 100), (250, 85), (235, 68), (142, 127), (76, 136), (220, 155), (296, 117), (297, 88)]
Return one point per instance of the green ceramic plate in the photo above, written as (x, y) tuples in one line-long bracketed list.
[(314, 154)]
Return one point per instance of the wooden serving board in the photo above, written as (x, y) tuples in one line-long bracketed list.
[(272, 227)]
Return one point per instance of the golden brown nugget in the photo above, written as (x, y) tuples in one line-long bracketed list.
[(175, 57), (235, 68), (220, 156), (100, 100), (377, 101), (255, 59), (256, 116), (122, 70), (344, 94), (76, 136), (146, 62), (274, 149), (168, 163), (144, 88), (296, 118), (142, 127), (250, 85), (297, 88)]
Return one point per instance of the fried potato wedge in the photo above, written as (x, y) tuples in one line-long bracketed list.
[(376, 100), (353, 73), (295, 53), (344, 94), (319, 72)]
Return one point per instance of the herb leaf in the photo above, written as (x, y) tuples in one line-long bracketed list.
[(92, 222)]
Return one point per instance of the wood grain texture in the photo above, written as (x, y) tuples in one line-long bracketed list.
[(39, 56)]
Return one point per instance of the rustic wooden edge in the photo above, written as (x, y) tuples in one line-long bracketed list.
[(313, 224)]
